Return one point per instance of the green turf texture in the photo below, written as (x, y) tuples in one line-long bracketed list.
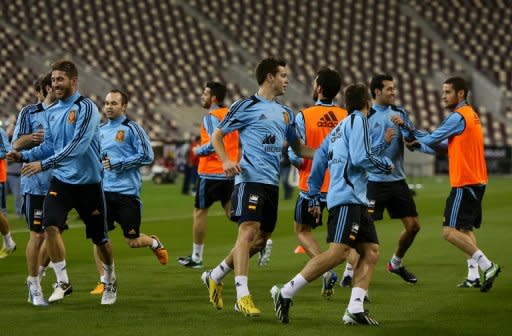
[(171, 300)]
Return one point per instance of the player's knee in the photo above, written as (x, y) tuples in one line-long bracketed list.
[(448, 233), (371, 254), (52, 230)]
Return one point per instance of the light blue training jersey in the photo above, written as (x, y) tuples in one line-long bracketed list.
[(31, 119), (5, 145), (379, 120), (128, 147), (263, 125), (347, 151), (72, 141)]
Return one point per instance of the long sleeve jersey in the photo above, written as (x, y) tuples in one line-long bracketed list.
[(72, 143), (31, 119), (347, 151), (263, 127), (379, 120), (128, 148)]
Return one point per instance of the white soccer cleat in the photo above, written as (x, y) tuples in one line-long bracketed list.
[(109, 296), (61, 289)]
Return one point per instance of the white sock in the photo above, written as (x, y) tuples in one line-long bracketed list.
[(349, 270), (482, 260), (155, 244), (293, 286), (219, 272), (110, 273), (197, 252), (34, 283), (241, 286), (473, 270), (103, 279), (8, 242), (60, 271), (356, 300), (41, 271), (395, 261)]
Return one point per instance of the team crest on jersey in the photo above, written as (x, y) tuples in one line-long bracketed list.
[(120, 136), (286, 117), (72, 117)]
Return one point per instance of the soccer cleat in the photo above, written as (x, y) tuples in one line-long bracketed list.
[(98, 290), (7, 251), (299, 250), (190, 262), (35, 296), (61, 289), (329, 279), (489, 276), (246, 306), (362, 318), (264, 257), (346, 281), (109, 294), (402, 272), (161, 252), (281, 305), (470, 284), (214, 290)]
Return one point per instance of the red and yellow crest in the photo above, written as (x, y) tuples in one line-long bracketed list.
[(72, 117), (120, 136), (286, 117)]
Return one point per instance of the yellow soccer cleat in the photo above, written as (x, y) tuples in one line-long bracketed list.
[(214, 290), (246, 306), (98, 290), (7, 251)]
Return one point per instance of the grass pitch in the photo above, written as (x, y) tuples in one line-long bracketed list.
[(171, 300)]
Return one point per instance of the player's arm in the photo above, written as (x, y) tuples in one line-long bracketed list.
[(210, 123), (360, 148), (230, 168), (295, 160), (294, 140), (316, 177), (86, 123), (141, 154)]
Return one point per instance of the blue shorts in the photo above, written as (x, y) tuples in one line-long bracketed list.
[(255, 202)]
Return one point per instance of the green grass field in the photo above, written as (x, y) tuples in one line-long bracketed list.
[(171, 300)]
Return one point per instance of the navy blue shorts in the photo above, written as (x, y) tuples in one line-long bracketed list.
[(125, 210), (87, 199), (255, 202), (394, 196), (302, 215), (464, 207), (209, 191), (350, 224)]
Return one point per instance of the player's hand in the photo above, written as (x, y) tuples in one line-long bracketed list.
[(231, 168), (106, 163), (314, 208), (31, 168), (13, 156), (412, 145), (38, 136), (397, 120), (389, 135)]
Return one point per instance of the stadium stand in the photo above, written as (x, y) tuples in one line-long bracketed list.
[(160, 54)]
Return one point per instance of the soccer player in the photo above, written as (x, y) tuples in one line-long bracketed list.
[(213, 185), (263, 124), (8, 245), (462, 132), (313, 125), (348, 154), (391, 191), (29, 132), (125, 148), (71, 147)]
